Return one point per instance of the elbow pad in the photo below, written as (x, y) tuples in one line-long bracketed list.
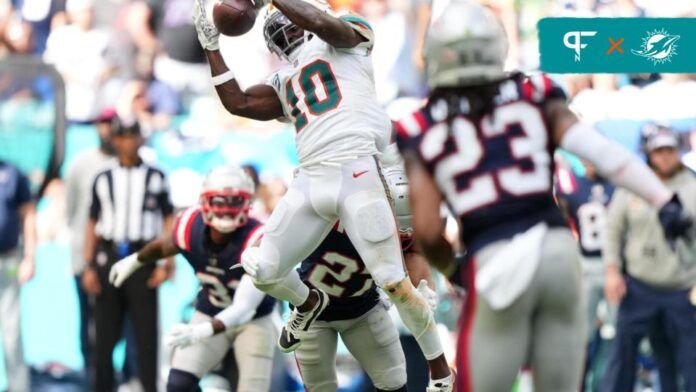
[(615, 163)]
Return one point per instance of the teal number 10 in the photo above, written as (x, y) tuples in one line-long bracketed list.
[(318, 70)]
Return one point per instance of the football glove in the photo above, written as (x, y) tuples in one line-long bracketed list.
[(123, 269), (208, 34), (428, 293), (675, 221), (182, 335)]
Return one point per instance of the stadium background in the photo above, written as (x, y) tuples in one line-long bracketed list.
[(198, 134)]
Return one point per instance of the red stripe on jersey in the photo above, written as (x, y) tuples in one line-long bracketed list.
[(466, 321), (420, 119), (182, 225), (189, 224), (401, 131), (528, 89), (547, 85)]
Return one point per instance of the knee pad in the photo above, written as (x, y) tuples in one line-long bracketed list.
[(374, 219), (387, 274), (181, 381), (267, 259)]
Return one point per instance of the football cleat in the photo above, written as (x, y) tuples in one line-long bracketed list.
[(300, 322), (443, 385)]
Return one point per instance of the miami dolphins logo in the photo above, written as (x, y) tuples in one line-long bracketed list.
[(659, 46)]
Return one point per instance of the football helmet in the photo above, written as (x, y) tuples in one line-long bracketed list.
[(226, 198), (282, 36), (395, 177), (465, 45)]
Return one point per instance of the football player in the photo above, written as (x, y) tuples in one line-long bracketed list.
[(355, 310), (327, 91), (230, 311), (483, 143)]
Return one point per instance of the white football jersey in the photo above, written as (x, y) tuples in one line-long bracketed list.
[(329, 95)]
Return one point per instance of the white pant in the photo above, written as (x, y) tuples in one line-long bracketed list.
[(253, 345), (352, 192), (17, 371), (371, 338)]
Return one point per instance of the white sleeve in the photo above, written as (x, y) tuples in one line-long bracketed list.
[(243, 308), (615, 163)]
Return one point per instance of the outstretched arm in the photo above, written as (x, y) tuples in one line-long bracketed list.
[(334, 31), (258, 102), (151, 252)]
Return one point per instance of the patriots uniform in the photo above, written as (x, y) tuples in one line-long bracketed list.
[(329, 95), (336, 268), (586, 201), (495, 172), (212, 262)]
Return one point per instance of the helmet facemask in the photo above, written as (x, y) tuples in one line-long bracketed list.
[(225, 210), (282, 36)]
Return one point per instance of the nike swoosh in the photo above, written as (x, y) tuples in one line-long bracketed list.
[(358, 174)]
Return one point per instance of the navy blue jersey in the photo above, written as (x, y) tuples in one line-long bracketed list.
[(585, 202), (336, 268), (495, 170), (212, 262)]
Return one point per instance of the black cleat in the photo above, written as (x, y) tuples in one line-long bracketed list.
[(298, 323)]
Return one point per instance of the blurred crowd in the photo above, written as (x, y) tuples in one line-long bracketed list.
[(141, 59)]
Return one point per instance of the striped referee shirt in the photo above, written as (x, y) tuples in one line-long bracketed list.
[(130, 203)]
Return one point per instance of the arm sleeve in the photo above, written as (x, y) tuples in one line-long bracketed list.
[(246, 299), (615, 163), (95, 206), (615, 228)]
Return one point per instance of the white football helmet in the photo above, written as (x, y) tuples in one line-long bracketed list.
[(465, 45), (282, 36), (226, 198), (395, 176)]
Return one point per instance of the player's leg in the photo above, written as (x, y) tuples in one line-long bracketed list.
[(293, 232), (493, 344), (10, 323), (374, 342), (367, 215), (316, 357), (190, 363), (253, 350), (559, 322), (142, 308)]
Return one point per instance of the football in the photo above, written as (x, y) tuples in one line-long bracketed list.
[(234, 17)]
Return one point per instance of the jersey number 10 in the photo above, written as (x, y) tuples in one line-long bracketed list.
[(320, 90)]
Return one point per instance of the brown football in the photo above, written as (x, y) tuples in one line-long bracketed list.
[(234, 17)]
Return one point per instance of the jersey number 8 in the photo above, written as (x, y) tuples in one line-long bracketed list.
[(320, 90)]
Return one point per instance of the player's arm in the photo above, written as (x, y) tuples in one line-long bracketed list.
[(616, 164), (428, 226), (334, 31), (152, 251), (258, 102)]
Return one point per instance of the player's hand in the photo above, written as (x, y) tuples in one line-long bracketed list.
[(26, 270), (157, 277), (675, 221), (251, 259), (428, 293), (614, 286), (182, 335), (208, 34), (123, 269), (90, 281)]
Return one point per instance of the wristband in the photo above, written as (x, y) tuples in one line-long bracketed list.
[(223, 78)]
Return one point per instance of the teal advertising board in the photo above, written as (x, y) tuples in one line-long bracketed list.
[(617, 45)]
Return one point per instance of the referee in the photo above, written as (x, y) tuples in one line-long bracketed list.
[(130, 206)]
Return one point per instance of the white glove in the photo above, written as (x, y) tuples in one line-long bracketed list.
[(251, 259), (427, 293), (208, 34), (182, 335), (123, 269)]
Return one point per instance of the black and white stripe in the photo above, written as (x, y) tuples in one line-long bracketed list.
[(129, 203)]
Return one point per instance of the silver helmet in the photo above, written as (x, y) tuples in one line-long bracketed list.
[(465, 45), (282, 36), (226, 198), (395, 176)]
